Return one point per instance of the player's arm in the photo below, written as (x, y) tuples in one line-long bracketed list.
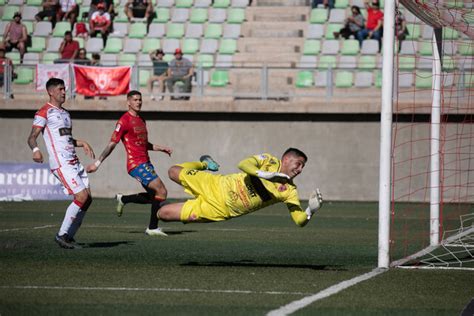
[(105, 153), (37, 155), (251, 166), (165, 149), (87, 148), (301, 217)]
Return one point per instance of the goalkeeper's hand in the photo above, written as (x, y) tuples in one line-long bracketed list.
[(315, 202), (273, 176)]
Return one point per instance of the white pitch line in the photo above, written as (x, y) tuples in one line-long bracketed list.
[(25, 228), (299, 304), (144, 289)]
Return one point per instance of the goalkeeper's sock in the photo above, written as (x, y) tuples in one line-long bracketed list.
[(155, 206), (139, 198), (71, 213), (197, 165)]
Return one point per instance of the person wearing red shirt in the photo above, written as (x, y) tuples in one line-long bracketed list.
[(374, 25), (100, 22), (69, 49), (132, 131)]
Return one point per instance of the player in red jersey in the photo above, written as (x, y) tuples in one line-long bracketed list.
[(54, 122), (131, 129)]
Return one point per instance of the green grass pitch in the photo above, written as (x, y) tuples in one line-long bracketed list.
[(247, 266)]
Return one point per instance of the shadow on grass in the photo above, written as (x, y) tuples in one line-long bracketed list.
[(253, 264), (107, 244)]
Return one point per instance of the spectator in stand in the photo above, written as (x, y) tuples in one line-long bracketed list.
[(50, 9), (160, 70), (180, 69), (140, 9), (82, 58), (3, 62), (68, 11), (16, 35), (100, 23), (401, 30), (69, 49), (352, 24), (374, 26), (328, 4), (109, 7)]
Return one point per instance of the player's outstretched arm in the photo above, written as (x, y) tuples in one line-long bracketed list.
[(37, 155), (87, 148), (251, 167), (105, 153), (315, 202), (165, 149)]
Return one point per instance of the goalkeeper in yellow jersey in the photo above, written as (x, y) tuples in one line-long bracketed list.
[(264, 180)]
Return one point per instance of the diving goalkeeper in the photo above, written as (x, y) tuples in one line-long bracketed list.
[(265, 180)]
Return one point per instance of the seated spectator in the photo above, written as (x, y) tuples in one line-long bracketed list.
[(140, 9), (374, 25), (69, 49), (100, 23), (82, 59), (50, 9), (81, 28), (16, 35), (68, 11), (401, 30), (3, 62), (180, 69), (352, 24), (109, 7), (160, 70), (328, 4)]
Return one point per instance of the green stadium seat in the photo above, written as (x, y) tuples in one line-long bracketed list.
[(413, 32), (331, 28), (425, 49), (312, 47), (184, 3), (175, 30), (168, 57), (198, 16), (121, 16), (162, 15), (213, 31), (9, 11), (14, 56), (406, 62), (221, 4), (35, 3), (469, 79), (423, 80), (228, 46), (60, 28), (350, 47), (326, 62), (25, 75), (127, 59), (206, 61), (190, 46), (80, 40), (114, 45), (450, 34), (341, 4), (236, 16), (304, 79), (367, 62), (449, 63), (466, 48), (38, 44), (150, 44), (137, 30), (49, 58), (378, 79), (318, 16), (344, 79), (143, 75), (459, 4), (29, 26), (219, 78)]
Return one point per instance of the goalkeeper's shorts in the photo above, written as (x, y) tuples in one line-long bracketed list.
[(209, 204)]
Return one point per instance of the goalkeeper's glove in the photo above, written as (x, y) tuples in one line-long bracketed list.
[(315, 202), (273, 176)]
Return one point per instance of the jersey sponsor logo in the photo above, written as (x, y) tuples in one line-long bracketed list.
[(117, 127), (139, 129), (192, 172), (251, 190), (273, 162), (65, 131)]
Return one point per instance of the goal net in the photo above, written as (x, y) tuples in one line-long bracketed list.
[(432, 137)]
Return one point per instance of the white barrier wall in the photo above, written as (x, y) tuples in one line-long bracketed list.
[(343, 156)]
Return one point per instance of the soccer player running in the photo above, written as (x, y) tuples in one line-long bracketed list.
[(131, 129), (265, 180), (54, 122)]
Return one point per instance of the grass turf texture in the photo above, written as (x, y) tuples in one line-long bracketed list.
[(247, 266)]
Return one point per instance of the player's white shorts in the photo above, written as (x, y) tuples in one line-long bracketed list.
[(73, 178)]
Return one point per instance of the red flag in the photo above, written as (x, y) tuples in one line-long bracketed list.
[(102, 81)]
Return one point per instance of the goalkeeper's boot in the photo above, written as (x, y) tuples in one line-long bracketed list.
[(63, 241), (212, 165), (155, 232), (120, 204)]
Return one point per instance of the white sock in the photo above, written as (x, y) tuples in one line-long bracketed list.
[(69, 218), (76, 223)]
